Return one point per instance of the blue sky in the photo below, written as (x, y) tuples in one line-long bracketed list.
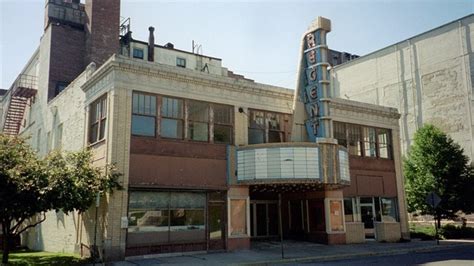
[(259, 39)]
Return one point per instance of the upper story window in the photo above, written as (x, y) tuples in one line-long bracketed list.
[(223, 123), (201, 121), (383, 137), (354, 137), (143, 114), (181, 62), (97, 119), (265, 127), (198, 121), (370, 142), (138, 53), (364, 141), (172, 118)]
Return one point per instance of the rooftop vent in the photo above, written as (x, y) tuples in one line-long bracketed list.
[(169, 45)]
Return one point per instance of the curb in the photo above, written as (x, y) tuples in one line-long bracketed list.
[(354, 255)]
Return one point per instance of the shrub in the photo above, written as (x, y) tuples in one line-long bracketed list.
[(451, 231)]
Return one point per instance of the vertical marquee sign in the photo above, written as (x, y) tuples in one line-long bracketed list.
[(315, 86)]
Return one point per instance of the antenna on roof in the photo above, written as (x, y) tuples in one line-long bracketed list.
[(197, 48)]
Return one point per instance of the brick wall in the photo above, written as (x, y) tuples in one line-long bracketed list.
[(66, 56), (102, 30)]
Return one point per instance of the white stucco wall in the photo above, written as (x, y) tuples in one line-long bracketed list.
[(428, 78)]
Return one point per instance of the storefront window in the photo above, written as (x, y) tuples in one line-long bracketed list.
[(389, 210), (348, 210), (164, 217), (187, 220), (238, 219)]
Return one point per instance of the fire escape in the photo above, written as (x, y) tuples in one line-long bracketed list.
[(21, 93)]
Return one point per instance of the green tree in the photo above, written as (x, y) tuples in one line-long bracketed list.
[(30, 186), (436, 163)]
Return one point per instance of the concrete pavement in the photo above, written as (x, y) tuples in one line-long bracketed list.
[(264, 253)]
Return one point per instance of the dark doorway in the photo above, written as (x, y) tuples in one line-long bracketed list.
[(216, 226), (264, 219), (296, 219)]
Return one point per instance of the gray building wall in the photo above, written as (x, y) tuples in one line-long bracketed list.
[(428, 78)]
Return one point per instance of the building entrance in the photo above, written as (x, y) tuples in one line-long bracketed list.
[(264, 219), (296, 219), (369, 213)]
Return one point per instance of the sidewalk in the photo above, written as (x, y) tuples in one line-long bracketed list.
[(270, 253)]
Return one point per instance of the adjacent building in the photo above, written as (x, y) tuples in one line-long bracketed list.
[(211, 160), (428, 78)]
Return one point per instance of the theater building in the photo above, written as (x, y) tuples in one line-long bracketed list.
[(211, 160)]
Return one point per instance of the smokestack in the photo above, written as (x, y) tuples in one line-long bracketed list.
[(102, 30), (151, 45)]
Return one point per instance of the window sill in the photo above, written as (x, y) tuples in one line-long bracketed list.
[(97, 143)]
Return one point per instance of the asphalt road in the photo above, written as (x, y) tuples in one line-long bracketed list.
[(451, 257)]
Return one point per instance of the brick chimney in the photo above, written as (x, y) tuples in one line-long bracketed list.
[(102, 30), (151, 45)]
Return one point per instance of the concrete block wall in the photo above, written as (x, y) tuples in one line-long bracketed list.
[(355, 233), (387, 231), (428, 78)]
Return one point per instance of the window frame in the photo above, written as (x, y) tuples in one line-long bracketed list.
[(181, 62), (97, 118), (155, 116), (215, 123), (191, 121), (185, 120), (266, 127), (362, 139), (367, 142), (137, 56), (182, 119)]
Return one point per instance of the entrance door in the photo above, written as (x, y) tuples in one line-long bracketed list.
[(367, 216), (216, 226), (296, 219), (264, 219)]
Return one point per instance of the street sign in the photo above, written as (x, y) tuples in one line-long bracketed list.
[(433, 199)]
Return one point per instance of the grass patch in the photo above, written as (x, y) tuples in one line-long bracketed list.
[(448, 231), (28, 257), (424, 232)]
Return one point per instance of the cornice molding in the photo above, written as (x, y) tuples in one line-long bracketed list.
[(364, 108), (154, 70)]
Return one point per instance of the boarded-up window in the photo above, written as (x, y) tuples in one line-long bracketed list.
[(238, 219), (336, 218)]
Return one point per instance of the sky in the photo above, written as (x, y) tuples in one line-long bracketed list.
[(259, 39)]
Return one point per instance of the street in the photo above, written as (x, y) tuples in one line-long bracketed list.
[(453, 256)]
